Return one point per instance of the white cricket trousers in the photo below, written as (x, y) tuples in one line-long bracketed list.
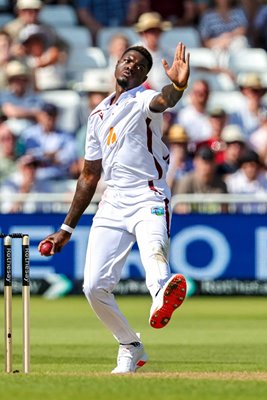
[(117, 225)]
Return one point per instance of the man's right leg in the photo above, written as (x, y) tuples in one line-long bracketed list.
[(106, 254)]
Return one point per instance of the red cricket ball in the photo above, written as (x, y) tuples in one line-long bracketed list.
[(46, 248)]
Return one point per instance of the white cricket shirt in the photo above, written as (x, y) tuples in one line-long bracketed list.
[(127, 136)]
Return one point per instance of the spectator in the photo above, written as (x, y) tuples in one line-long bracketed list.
[(202, 7), (5, 57), (218, 120), (49, 70), (96, 87), (9, 151), (23, 181), (247, 117), (19, 102), (28, 12), (260, 28), (180, 159), (55, 149), (179, 13), (250, 178), (258, 139), (203, 179), (235, 147), (256, 13), (150, 27), (95, 14), (194, 117), (116, 47), (223, 29)]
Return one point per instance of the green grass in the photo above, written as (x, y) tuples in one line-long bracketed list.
[(214, 348)]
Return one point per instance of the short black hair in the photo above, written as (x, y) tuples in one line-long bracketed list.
[(50, 109), (249, 156), (205, 153), (142, 50)]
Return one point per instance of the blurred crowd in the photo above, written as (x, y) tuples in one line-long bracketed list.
[(50, 82)]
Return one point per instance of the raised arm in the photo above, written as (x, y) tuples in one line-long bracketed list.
[(178, 73), (85, 190)]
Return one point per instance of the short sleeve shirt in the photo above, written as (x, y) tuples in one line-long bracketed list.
[(106, 12), (127, 136), (213, 25)]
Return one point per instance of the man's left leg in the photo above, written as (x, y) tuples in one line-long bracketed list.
[(106, 254), (168, 291)]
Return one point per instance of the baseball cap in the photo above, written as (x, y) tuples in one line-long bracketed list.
[(232, 133), (29, 4), (177, 134), (16, 68), (205, 153), (30, 31)]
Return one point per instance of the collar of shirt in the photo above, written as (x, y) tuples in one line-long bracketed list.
[(124, 95)]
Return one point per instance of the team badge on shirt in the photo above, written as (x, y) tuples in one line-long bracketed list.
[(158, 210)]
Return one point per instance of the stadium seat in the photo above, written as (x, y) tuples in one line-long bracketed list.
[(5, 18), (188, 35), (202, 57), (230, 101), (79, 61), (248, 60), (4, 5), (105, 34), (58, 15), (68, 103), (217, 81), (75, 36)]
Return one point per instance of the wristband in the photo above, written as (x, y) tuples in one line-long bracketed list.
[(178, 88), (67, 228)]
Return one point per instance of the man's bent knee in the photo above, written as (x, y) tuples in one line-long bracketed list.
[(94, 293)]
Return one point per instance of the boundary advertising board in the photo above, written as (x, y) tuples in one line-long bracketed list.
[(219, 254)]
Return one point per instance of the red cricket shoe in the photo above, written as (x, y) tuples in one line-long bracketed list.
[(170, 297)]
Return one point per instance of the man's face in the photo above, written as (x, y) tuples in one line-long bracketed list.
[(200, 93), (29, 16), (34, 46), (19, 84), (254, 93), (131, 70), (151, 38), (47, 121), (251, 170)]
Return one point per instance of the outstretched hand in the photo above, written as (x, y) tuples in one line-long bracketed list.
[(179, 71)]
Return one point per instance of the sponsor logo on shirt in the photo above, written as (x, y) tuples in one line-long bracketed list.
[(112, 137)]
